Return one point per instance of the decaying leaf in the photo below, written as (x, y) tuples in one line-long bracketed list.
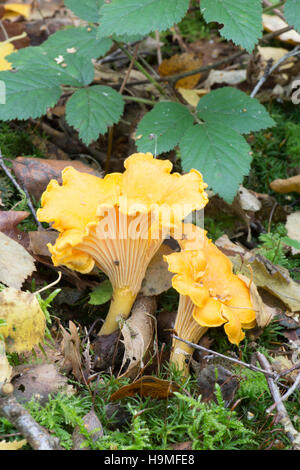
[(16, 264), (38, 381), (71, 350), (137, 334), (38, 241), (179, 63), (248, 201), (9, 221), (158, 278), (273, 23), (274, 54), (212, 374), (13, 445), (13, 10), (25, 321), (147, 386), (5, 368), (192, 97), (263, 313), (34, 174), (6, 48), (93, 426), (274, 279), (293, 229), (228, 77), (282, 363)]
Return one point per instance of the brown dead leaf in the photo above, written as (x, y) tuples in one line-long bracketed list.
[(158, 278), (38, 381), (9, 220), (39, 240), (93, 426), (179, 63), (16, 264), (293, 229), (274, 279), (35, 173), (13, 30), (212, 374), (137, 334), (147, 386), (5, 368), (273, 23), (282, 363), (70, 346), (263, 313)]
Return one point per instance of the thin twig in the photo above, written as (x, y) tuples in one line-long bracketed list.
[(269, 70), (244, 364), (289, 429), (157, 39), (286, 395), (274, 8), (21, 191), (6, 37)]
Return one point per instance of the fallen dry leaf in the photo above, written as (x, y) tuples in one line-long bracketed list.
[(293, 229), (70, 346), (137, 334), (16, 264), (13, 30), (34, 174), (5, 368), (274, 279), (38, 382), (274, 54), (13, 445), (6, 48), (147, 386), (263, 313), (158, 278), (93, 426), (39, 240), (9, 221), (273, 23), (228, 77), (192, 97), (25, 321), (179, 63), (212, 374), (14, 10)]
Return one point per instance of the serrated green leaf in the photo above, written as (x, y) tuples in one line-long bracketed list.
[(88, 10), (292, 13), (162, 128), (140, 16), (84, 40), (220, 154), (235, 109), (101, 294), (91, 110), (242, 19), (74, 70), (29, 93)]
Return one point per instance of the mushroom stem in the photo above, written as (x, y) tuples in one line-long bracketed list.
[(186, 328), (120, 308)]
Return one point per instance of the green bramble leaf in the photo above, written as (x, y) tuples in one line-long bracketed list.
[(84, 39), (163, 127), (220, 154), (242, 19), (101, 294), (292, 13), (87, 10), (91, 110), (235, 109), (140, 16), (29, 93)]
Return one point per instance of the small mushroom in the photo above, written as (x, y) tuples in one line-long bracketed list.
[(211, 295)]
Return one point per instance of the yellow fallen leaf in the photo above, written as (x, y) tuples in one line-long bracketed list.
[(5, 368), (13, 445), (179, 63), (192, 97), (25, 320), (12, 10), (6, 48), (273, 23), (275, 54)]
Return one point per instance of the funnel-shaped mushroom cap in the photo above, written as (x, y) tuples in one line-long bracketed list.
[(219, 296), (119, 222), (24, 318)]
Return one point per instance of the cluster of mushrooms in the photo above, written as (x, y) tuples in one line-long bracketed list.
[(118, 223)]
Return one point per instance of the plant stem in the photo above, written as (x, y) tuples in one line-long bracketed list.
[(271, 7), (143, 70)]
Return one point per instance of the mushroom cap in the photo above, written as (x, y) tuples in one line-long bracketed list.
[(146, 187), (24, 318), (218, 295)]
